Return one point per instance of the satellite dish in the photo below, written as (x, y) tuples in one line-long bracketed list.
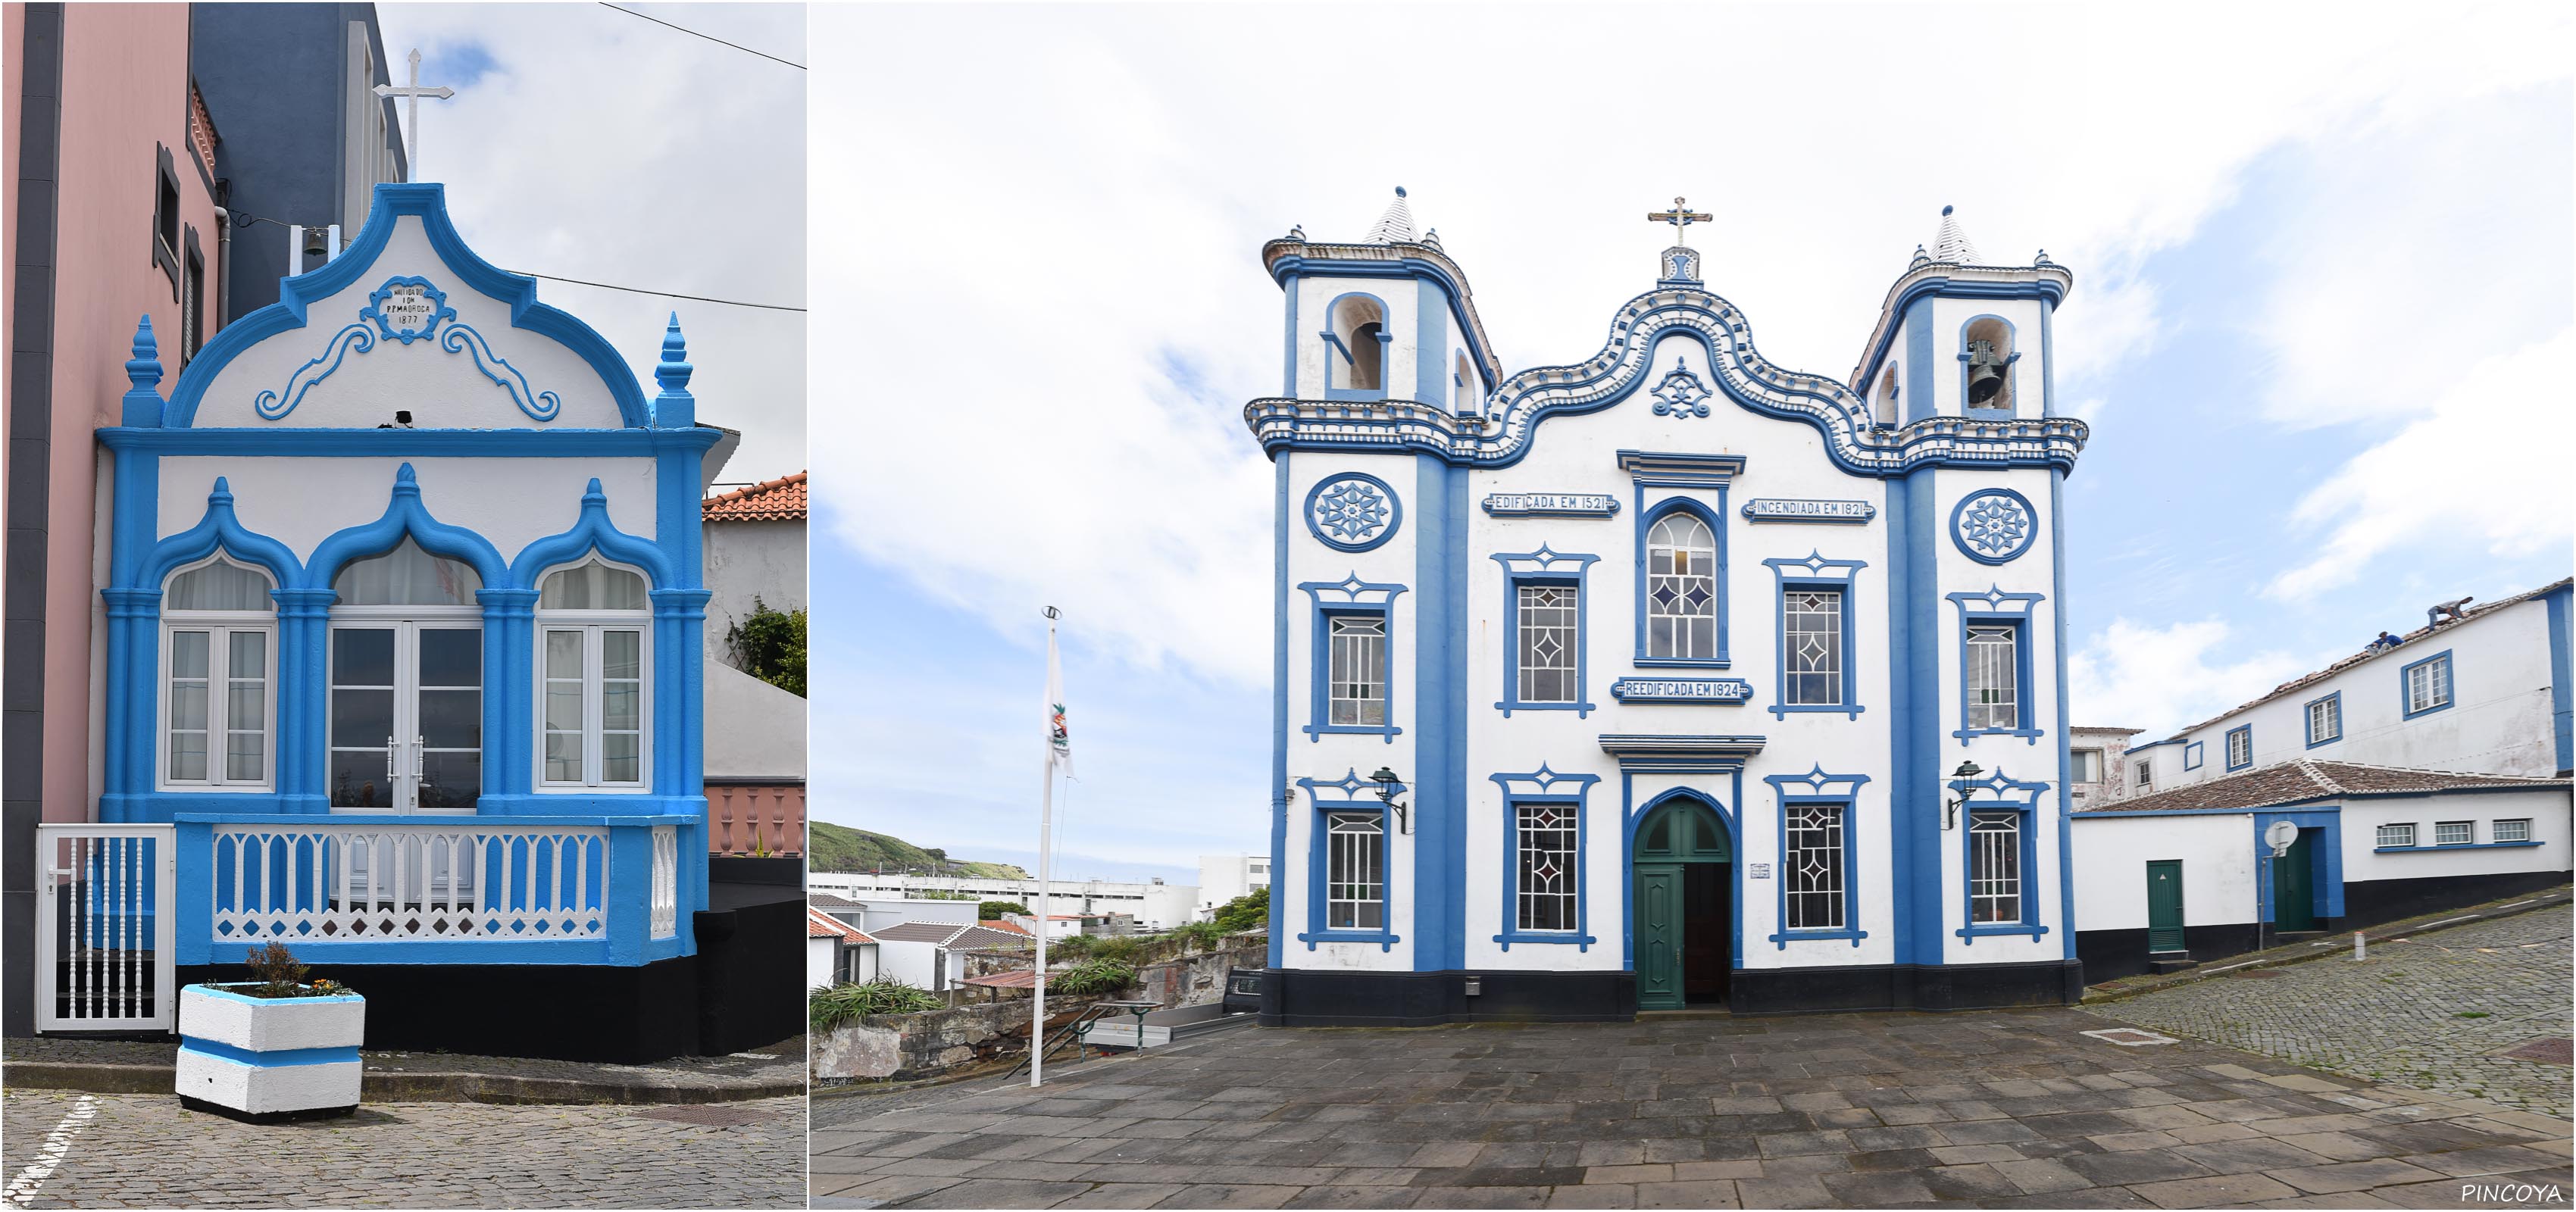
[(2280, 836)]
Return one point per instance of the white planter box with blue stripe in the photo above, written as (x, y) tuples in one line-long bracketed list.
[(270, 1055)]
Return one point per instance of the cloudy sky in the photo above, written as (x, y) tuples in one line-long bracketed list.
[(2321, 326), (588, 143)]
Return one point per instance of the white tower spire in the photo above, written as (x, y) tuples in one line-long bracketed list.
[(1952, 245), (1396, 225)]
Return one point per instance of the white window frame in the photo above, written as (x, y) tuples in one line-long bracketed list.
[(1341, 654), (1828, 821), (1569, 635), (1525, 898), (2396, 834), (1673, 560), (2520, 828), (2330, 710), (1991, 707), (2468, 831), (594, 653), (221, 624), (2421, 678), (1367, 831), (2080, 759), (2235, 759), (1990, 887), (1826, 604), (2146, 775)]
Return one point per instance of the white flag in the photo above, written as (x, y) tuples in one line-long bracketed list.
[(1059, 742)]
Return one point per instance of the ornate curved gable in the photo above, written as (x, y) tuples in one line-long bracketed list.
[(1626, 366), (408, 319)]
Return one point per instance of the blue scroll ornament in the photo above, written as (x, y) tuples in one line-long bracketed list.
[(539, 405), (274, 406)]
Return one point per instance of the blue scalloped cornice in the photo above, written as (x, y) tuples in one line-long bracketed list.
[(428, 203), (1622, 368), (219, 530), (405, 515), (591, 530)]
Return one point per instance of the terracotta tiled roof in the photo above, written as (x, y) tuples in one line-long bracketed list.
[(2407, 647), (1016, 978), (779, 500), (991, 924), (819, 924), (2301, 781)]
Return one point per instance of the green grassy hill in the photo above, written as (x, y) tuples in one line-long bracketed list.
[(835, 848)]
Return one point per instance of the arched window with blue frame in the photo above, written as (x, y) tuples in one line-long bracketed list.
[(1681, 586)]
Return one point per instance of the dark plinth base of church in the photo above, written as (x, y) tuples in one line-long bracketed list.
[(1905, 987), (743, 989), (1293, 997), (1301, 998)]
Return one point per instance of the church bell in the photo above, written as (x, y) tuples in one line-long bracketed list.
[(1985, 372)]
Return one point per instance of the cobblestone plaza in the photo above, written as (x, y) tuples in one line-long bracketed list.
[(144, 1151), (2435, 1011), (2007, 1109)]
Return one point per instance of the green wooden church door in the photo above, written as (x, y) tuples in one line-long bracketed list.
[(1683, 941)]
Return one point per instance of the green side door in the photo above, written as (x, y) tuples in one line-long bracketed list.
[(2164, 905), (2293, 885), (1659, 936)]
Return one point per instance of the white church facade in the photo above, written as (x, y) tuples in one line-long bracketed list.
[(1668, 676)]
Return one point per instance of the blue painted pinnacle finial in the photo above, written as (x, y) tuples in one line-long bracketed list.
[(594, 497), (406, 482), (142, 405), (222, 496), (145, 370), (1399, 191), (674, 371)]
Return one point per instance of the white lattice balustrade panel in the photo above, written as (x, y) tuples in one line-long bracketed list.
[(666, 881), (364, 883)]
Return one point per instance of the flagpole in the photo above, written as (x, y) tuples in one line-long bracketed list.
[(1046, 827)]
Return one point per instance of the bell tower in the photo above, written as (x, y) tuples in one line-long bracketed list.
[(1387, 317), (1960, 337)]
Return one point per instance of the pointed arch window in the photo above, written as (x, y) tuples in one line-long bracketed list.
[(594, 658), (218, 710)]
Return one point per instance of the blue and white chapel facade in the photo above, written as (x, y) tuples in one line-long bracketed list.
[(1678, 658), (404, 612)]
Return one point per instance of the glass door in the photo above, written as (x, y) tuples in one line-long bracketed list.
[(406, 727)]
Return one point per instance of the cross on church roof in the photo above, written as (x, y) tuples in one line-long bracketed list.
[(411, 96), (1681, 216)]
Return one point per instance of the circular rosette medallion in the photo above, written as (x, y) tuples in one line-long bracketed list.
[(1994, 526), (1353, 512)]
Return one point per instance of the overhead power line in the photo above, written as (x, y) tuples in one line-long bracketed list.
[(709, 37), (637, 290)]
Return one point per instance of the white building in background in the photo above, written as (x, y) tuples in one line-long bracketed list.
[(836, 952), (2425, 772), (1155, 905), (2484, 689), (1228, 877)]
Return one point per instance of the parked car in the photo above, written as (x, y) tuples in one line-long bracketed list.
[(1243, 991)]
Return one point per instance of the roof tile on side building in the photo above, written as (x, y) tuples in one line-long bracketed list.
[(821, 925), (779, 500), (2302, 780)]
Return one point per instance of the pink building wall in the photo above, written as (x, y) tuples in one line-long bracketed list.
[(125, 89)]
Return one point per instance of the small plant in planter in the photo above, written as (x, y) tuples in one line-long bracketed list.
[(276, 1047)]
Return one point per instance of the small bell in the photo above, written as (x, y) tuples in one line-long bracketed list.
[(1985, 372)]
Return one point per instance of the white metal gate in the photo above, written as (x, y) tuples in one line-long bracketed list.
[(104, 928)]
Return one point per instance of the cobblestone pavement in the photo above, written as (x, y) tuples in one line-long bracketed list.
[(2004, 1109), (2432, 1011), (132, 1150)]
